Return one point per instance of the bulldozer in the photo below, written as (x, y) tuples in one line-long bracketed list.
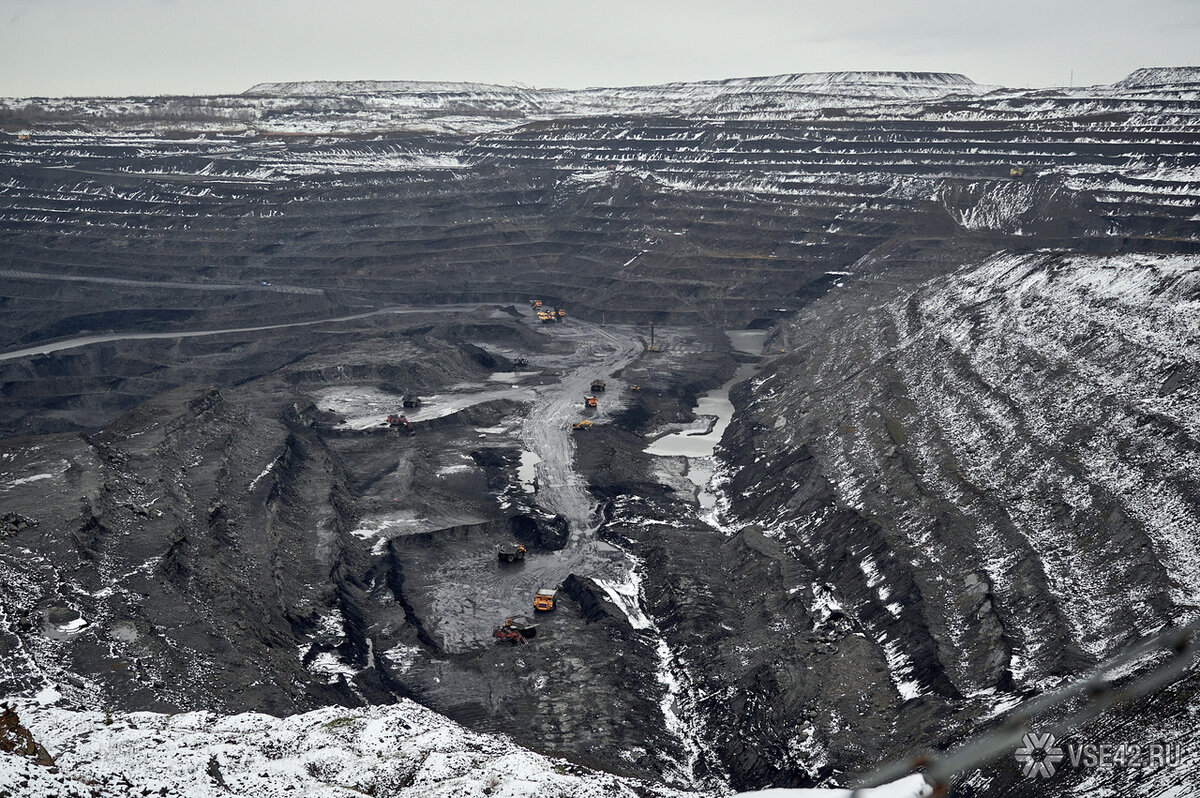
[(584, 424), (517, 630), (635, 387), (1016, 172), (511, 552), (521, 361), (598, 385), (545, 599), (395, 420), (589, 402)]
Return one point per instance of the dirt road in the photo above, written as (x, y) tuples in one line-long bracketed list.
[(87, 340), (172, 285), (472, 594), (547, 429)]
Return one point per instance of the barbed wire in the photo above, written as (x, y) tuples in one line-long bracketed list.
[(1100, 691)]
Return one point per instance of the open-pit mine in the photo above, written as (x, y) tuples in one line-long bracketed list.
[(835, 416)]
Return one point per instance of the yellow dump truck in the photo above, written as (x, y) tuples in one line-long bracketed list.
[(545, 599)]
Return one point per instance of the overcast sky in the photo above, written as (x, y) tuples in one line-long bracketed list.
[(121, 47)]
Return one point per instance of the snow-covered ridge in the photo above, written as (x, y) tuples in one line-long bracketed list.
[(814, 79), (693, 95), (457, 108), (339, 88), (768, 95), (877, 77), (1156, 77)]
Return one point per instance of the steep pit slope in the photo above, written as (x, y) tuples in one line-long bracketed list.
[(993, 477), (162, 573)]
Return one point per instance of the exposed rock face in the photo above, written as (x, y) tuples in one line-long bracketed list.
[(17, 740), (12, 523), (594, 602)]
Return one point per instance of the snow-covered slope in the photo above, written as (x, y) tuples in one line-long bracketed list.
[(1149, 77), (996, 470), (396, 751)]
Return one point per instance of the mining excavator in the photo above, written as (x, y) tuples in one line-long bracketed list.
[(412, 400), (517, 630), (535, 303), (511, 552), (521, 361), (584, 424), (395, 420), (598, 385), (589, 402)]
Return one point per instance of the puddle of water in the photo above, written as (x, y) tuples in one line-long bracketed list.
[(491, 430), (748, 341)]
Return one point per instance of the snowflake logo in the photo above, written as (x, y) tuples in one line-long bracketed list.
[(1038, 755)]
